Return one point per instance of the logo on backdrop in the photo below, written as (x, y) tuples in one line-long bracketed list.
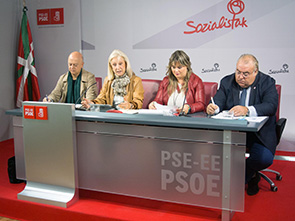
[(209, 24), (183, 34), (284, 69), (51, 16), (234, 7), (214, 69), (153, 67)]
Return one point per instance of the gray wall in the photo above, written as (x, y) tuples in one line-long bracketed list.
[(9, 26)]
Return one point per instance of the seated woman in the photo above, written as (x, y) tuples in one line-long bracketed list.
[(121, 88), (181, 88)]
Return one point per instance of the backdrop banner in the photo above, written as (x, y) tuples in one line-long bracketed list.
[(213, 33)]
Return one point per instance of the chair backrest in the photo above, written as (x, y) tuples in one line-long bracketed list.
[(150, 91), (210, 89), (281, 122), (279, 88), (98, 83)]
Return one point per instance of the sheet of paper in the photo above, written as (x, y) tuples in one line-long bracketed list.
[(144, 111), (224, 115), (160, 110), (255, 119), (227, 115), (164, 107)]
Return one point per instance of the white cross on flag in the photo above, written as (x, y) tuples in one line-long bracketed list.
[(27, 87)]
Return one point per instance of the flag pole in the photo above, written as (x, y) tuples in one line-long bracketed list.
[(25, 6)]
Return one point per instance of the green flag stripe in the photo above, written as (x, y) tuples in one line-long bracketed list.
[(30, 87), (25, 36), (20, 71)]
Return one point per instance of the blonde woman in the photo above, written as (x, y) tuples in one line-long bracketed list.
[(121, 88)]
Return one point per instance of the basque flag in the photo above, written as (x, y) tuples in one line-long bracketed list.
[(27, 87)]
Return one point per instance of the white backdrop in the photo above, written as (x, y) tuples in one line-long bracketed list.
[(53, 43), (150, 31), (9, 17)]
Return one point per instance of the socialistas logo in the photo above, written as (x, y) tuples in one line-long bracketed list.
[(153, 67), (285, 69), (210, 70), (235, 7)]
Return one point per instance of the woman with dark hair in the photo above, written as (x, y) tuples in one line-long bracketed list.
[(181, 88)]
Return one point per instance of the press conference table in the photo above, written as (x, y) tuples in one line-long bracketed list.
[(194, 159)]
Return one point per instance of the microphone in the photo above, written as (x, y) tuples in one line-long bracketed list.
[(181, 112), (84, 92)]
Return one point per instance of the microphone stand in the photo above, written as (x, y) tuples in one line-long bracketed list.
[(83, 95)]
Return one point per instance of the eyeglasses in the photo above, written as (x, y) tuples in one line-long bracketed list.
[(74, 65), (244, 74)]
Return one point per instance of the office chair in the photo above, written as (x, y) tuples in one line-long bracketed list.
[(280, 126)]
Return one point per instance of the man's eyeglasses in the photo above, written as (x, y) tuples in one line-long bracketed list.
[(74, 65), (244, 74)]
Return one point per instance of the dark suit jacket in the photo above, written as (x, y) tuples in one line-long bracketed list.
[(263, 97)]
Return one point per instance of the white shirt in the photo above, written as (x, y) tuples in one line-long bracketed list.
[(252, 110), (176, 99)]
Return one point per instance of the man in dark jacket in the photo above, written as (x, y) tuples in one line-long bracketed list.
[(249, 92)]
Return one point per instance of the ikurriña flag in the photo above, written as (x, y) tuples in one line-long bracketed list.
[(27, 87)]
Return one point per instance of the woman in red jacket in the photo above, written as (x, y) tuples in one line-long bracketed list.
[(181, 88)]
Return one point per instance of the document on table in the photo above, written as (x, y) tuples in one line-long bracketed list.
[(160, 109), (142, 111), (256, 119), (164, 107), (229, 116)]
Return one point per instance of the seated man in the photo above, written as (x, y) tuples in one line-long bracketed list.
[(74, 84), (253, 93)]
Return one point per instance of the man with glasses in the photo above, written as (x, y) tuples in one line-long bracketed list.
[(249, 92), (74, 83)]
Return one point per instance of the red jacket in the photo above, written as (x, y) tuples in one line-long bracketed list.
[(195, 96)]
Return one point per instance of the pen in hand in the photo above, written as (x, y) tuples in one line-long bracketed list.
[(211, 108), (47, 98)]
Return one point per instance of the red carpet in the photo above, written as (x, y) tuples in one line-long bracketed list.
[(285, 153), (266, 205)]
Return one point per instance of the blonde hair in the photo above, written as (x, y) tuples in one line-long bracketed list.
[(114, 54), (182, 58)]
